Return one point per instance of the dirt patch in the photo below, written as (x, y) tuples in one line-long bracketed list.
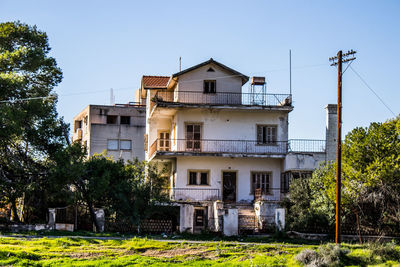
[(173, 252), (85, 255)]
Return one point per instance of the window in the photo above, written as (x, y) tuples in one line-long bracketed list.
[(210, 70), (193, 136), (164, 142), (262, 181), (266, 134), (125, 120), (125, 144), (198, 178), (111, 119), (210, 87), (112, 144)]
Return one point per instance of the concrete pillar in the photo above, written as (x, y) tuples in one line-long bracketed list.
[(280, 219), (52, 219), (214, 216), (186, 218), (331, 132), (100, 217), (231, 222)]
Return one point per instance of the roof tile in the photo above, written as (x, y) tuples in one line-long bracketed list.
[(155, 81)]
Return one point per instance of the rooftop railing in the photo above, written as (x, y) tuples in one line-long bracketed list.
[(223, 98)]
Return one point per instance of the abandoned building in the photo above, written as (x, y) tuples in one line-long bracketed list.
[(226, 149), (117, 130)]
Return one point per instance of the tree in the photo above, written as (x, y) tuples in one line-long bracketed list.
[(30, 130), (128, 191), (370, 181)]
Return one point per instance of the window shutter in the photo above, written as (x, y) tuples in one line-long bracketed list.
[(259, 134)]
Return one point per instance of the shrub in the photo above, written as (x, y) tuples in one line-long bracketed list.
[(387, 251), (327, 255)]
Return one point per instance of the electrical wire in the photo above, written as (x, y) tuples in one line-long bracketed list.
[(369, 87)]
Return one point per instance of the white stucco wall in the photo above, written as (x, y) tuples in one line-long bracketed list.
[(193, 80), (243, 167)]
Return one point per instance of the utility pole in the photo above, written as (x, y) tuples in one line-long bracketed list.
[(341, 58)]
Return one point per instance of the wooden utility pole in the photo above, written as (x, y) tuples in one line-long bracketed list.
[(339, 57)]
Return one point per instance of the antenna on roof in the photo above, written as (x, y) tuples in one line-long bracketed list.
[(112, 97), (180, 64), (290, 71)]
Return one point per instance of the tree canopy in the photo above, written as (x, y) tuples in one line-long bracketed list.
[(30, 130), (370, 182)]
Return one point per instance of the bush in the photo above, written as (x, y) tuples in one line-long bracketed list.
[(327, 255), (387, 251)]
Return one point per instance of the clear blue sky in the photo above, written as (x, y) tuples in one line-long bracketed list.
[(110, 44)]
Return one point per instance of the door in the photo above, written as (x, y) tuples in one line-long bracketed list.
[(229, 186), (193, 137)]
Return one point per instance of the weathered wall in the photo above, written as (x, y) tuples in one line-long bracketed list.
[(186, 218), (331, 131), (243, 167), (231, 222), (303, 161)]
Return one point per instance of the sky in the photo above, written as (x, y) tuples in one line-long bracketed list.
[(101, 45)]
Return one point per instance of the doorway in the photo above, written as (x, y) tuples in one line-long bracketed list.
[(229, 186)]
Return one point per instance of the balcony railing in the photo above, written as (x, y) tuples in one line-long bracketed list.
[(268, 194), (220, 146), (194, 194), (306, 145), (223, 98)]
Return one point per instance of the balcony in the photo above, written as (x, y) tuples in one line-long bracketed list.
[(194, 194), (209, 147), (195, 98)]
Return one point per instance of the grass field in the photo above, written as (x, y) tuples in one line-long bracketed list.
[(69, 251)]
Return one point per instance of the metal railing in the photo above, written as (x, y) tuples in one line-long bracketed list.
[(268, 194), (306, 145), (221, 146), (223, 98), (194, 194)]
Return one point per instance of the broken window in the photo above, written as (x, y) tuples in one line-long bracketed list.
[(198, 178), (111, 119), (125, 120), (266, 134), (193, 136), (262, 181), (78, 125), (210, 87)]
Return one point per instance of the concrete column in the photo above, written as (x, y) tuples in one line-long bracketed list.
[(331, 132), (186, 218), (100, 217), (52, 219), (231, 222)]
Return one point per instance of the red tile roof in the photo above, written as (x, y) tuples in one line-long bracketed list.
[(155, 81)]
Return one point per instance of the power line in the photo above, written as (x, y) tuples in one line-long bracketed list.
[(369, 87)]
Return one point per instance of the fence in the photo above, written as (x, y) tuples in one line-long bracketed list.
[(306, 145), (152, 226)]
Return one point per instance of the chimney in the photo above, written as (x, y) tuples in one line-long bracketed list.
[(331, 132)]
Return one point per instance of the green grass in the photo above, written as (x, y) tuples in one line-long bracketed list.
[(69, 251)]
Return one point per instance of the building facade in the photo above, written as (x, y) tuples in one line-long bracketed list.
[(227, 151), (116, 130)]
